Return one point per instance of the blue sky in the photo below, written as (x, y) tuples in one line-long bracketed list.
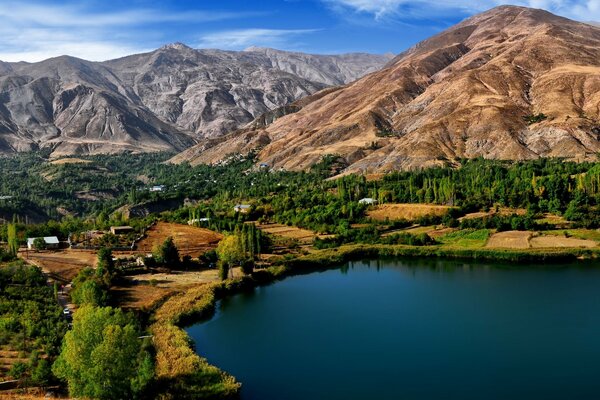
[(100, 30)]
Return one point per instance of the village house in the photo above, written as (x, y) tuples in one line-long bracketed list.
[(51, 242), (121, 230), (242, 208), (367, 200), (158, 188)]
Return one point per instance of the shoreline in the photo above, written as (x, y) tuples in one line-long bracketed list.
[(181, 372)]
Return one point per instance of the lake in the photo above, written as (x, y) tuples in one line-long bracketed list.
[(414, 329)]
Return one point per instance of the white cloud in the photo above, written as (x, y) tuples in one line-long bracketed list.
[(242, 38), (380, 9), (34, 31)]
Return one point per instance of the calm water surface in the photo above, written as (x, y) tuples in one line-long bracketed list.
[(414, 329)]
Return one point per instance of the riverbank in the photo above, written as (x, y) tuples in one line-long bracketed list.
[(182, 373)]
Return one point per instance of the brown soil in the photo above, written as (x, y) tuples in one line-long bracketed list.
[(63, 265)]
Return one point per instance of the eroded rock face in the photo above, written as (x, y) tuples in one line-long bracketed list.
[(163, 100), (511, 83)]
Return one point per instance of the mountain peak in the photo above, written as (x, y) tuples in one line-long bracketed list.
[(176, 46)]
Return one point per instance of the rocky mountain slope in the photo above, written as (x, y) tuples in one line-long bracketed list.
[(511, 83), (162, 100)]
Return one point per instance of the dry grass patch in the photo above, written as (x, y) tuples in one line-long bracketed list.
[(510, 240), (175, 358), (63, 265), (144, 291), (501, 211), (290, 232), (561, 242), (190, 240), (70, 160), (405, 211)]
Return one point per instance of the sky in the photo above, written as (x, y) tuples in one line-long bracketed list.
[(100, 30)]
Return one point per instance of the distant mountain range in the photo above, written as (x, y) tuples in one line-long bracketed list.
[(167, 99), (511, 83)]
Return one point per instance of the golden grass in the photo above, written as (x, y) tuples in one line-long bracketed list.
[(70, 160), (405, 211), (175, 358)]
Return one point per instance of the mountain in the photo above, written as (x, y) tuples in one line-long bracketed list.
[(162, 100), (511, 83)]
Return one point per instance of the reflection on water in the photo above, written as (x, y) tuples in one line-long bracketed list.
[(414, 329)]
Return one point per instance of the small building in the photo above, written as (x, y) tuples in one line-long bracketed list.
[(158, 188), (264, 165), (197, 221), (368, 201), (51, 242), (5, 197), (121, 230), (242, 208)]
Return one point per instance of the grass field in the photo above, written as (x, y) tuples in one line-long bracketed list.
[(190, 240), (467, 238), (587, 234), (560, 242), (405, 211)]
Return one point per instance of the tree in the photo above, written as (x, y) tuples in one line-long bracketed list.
[(167, 253), (102, 356), (13, 241), (223, 270), (230, 250), (39, 244), (89, 292)]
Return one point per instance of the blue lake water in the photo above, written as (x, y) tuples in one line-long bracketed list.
[(414, 329)]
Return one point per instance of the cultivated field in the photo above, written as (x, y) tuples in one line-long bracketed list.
[(190, 240), (62, 265), (510, 240), (8, 357), (290, 232), (527, 240), (405, 211), (560, 242)]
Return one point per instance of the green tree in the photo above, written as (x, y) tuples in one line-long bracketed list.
[(13, 241), (39, 244), (230, 250), (102, 356), (89, 292), (167, 253)]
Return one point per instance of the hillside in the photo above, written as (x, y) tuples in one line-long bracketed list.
[(157, 101), (511, 83)]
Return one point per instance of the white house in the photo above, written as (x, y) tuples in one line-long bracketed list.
[(197, 221), (158, 188), (242, 208), (368, 201), (51, 242)]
